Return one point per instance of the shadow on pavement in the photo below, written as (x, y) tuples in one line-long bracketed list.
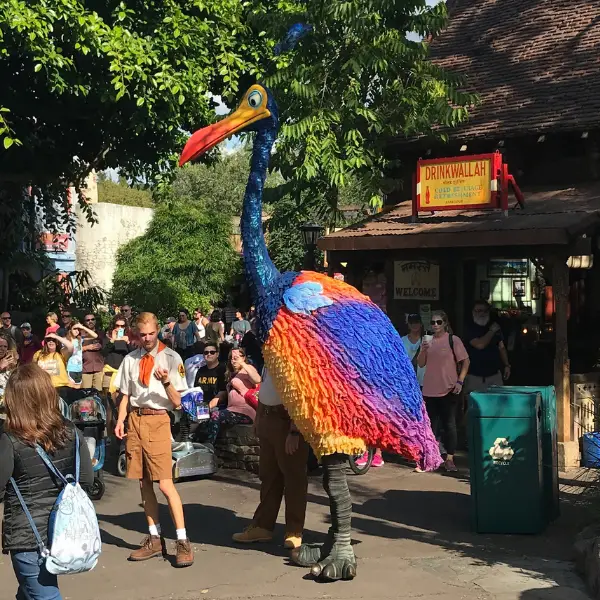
[(209, 525), (441, 518), (554, 593)]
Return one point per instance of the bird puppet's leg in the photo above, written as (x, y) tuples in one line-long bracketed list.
[(335, 558)]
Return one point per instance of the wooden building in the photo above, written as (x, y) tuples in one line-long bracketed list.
[(536, 67)]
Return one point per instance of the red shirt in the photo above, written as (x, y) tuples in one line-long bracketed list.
[(28, 348), (52, 329)]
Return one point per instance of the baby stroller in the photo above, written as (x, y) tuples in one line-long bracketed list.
[(86, 410), (190, 459)]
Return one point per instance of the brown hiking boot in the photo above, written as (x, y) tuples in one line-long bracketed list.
[(152, 545), (185, 554), (253, 534)]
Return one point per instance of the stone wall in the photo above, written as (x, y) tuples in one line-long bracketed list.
[(97, 244), (238, 448)]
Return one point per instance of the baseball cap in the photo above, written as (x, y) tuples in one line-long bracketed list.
[(25, 326), (414, 318), (171, 320)]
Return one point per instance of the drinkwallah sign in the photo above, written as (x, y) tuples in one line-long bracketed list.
[(464, 182), (416, 280)]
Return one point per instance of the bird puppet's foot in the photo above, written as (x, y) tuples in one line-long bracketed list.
[(339, 564), (308, 554), (334, 560)]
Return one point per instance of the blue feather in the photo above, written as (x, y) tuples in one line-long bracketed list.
[(306, 297), (368, 346), (294, 34)]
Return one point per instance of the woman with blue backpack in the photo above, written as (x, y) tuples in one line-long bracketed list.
[(42, 459)]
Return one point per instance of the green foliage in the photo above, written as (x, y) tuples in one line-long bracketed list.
[(114, 83), (286, 246), (53, 290), (353, 84), (121, 193), (93, 84), (184, 259), (219, 186)]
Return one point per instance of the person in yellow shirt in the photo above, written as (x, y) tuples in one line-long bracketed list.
[(53, 357)]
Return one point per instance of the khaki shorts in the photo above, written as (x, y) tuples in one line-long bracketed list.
[(148, 447), (92, 380)]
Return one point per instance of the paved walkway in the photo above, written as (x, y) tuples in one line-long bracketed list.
[(411, 535)]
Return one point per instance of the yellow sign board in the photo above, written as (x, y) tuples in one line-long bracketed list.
[(457, 183)]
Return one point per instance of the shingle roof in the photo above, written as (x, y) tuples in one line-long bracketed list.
[(549, 217), (534, 63)]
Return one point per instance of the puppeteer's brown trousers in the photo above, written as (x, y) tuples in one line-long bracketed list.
[(281, 474)]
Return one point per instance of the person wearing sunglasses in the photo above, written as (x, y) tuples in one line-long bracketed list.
[(118, 345), (66, 318), (93, 360), (211, 378), (7, 328), (444, 355)]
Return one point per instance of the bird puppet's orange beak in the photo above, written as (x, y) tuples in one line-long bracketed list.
[(206, 138)]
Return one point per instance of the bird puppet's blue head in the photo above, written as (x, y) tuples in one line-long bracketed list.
[(257, 110)]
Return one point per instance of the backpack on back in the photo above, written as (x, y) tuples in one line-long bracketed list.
[(73, 531)]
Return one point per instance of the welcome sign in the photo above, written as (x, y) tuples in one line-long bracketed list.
[(458, 183), (416, 280)]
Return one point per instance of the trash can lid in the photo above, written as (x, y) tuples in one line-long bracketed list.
[(504, 405)]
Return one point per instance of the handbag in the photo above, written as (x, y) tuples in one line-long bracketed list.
[(251, 397)]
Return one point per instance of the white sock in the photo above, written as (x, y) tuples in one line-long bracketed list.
[(181, 534), (154, 529)]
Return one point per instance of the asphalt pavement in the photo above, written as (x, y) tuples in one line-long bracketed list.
[(412, 539)]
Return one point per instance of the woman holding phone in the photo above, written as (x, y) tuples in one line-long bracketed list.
[(120, 344), (75, 360), (447, 364)]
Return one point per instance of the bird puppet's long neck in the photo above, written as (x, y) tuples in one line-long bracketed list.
[(260, 270)]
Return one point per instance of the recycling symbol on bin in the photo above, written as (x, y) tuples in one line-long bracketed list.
[(501, 450)]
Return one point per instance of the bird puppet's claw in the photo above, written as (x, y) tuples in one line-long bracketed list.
[(334, 569)]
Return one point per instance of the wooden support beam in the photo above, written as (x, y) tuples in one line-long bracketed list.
[(562, 374), (459, 297)]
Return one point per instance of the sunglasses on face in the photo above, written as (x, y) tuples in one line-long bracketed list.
[(90, 320), (207, 352), (437, 322), (6, 318), (65, 315)]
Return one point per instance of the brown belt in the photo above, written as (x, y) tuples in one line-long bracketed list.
[(148, 412)]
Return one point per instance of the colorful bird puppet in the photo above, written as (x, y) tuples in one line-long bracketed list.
[(337, 361)]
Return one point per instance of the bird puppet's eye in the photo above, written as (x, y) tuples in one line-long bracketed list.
[(255, 99)]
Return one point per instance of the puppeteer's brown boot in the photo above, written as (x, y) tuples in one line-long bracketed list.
[(152, 545), (185, 554)]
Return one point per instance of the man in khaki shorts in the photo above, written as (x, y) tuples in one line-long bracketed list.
[(151, 379)]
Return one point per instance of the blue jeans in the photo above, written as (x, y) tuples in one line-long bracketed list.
[(35, 583)]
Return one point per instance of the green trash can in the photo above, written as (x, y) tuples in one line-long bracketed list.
[(505, 454), (549, 443)]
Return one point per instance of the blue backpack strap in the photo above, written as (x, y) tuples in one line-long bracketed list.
[(49, 464), (42, 548), (76, 457)]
